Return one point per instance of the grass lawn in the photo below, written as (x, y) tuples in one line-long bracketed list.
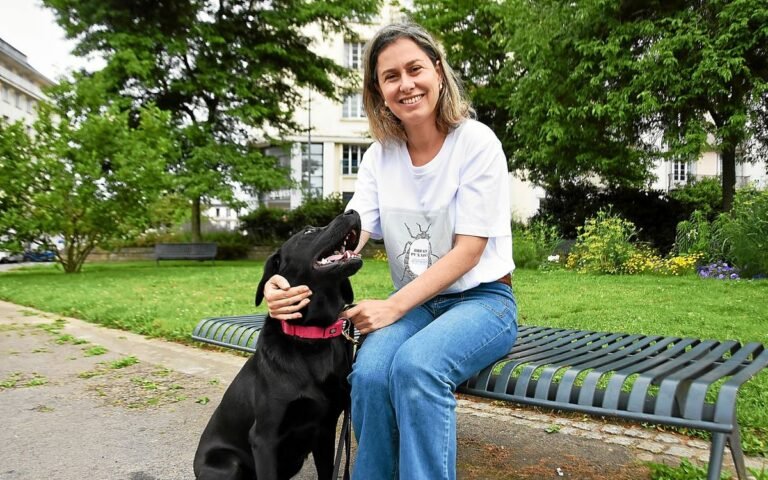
[(167, 301)]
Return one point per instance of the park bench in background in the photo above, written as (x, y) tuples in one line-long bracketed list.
[(185, 251), (641, 378)]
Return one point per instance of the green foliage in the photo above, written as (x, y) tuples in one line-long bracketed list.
[(222, 70), (739, 237), (603, 245), (705, 195), (694, 236), (231, 245), (269, 226), (654, 213), (685, 471), (87, 176), (533, 243), (743, 232), (581, 84)]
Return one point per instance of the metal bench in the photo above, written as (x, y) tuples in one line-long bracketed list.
[(185, 251), (641, 378)]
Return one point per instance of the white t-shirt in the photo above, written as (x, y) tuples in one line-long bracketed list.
[(418, 210)]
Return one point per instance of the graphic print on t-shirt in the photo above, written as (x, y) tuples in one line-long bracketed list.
[(414, 240), (417, 253)]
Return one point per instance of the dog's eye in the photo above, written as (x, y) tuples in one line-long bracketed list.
[(309, 230)]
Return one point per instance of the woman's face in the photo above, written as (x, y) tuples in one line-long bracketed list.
[(408, 82)]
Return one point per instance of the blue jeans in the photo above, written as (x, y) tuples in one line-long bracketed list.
[(403, 408)]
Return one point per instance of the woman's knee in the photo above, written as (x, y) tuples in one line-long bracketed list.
[(369, 377)]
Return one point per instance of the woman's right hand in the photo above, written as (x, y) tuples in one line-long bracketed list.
[(284, 301)]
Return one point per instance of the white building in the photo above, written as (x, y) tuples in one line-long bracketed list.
[(20, 85), (673, 174)]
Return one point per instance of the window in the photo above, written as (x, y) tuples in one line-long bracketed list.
[(353, 55), (679, 171), (17, 99), (4, 93), (351, 156), (353, 106), (312, 170)]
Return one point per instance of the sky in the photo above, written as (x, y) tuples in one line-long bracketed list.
[(32, 29)]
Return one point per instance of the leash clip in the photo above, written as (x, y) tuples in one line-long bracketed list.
[(346, 329)]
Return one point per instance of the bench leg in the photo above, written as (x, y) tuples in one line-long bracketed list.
[(734, 442), (716, 456)]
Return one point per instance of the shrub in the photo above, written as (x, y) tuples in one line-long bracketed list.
[(532, 243), (705, 195), (743, 232), (654, 213), (603, 244), (646, 260), (695, 237), (230, 245), (266, 226), (270, 226)]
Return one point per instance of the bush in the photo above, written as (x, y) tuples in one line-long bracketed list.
[(694, 237), (266, 226), (705, 195), (533, 243), (271, 226), (646, 260), (603, 245), (230, 245), (743, 232), (654, 213)]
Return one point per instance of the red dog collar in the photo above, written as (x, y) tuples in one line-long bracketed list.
[(312, 332)]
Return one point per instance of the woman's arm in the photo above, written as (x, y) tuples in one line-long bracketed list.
[(370, 315)]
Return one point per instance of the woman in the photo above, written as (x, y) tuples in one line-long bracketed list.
[(435, 187)]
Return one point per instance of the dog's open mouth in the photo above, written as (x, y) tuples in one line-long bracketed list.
[(341, 252)]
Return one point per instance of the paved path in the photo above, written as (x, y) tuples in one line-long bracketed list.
[(82, 401)]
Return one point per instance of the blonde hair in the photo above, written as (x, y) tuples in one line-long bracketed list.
[(452, 104)]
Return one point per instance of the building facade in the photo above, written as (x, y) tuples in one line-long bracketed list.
[(20, 85), (670, 175)]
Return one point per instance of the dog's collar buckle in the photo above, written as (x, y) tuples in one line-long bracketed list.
[(311, 332)]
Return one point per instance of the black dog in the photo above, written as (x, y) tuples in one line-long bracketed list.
[(285, 401)]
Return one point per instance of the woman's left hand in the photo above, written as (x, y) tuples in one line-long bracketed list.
[(370, 315)]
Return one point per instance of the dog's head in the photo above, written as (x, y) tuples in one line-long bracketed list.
[(322, 258)]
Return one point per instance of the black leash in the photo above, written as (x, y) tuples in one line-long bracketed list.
[(345, 437)]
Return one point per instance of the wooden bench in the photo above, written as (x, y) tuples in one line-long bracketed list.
[(641, 378), (185, 251)]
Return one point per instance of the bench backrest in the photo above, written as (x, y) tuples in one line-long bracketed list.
[(185, 250)]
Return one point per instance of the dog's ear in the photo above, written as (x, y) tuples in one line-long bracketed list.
[(271, 267), (346, 291)]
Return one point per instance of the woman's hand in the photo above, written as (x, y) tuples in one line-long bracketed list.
[(284, 301), (370, 315)]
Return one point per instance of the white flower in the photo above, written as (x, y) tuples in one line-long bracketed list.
[(553, 258)]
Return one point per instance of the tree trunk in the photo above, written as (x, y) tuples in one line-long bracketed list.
[(728, 156), (197, 236)]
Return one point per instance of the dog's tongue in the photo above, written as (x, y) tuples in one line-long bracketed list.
[(339, 256), (336, 257)]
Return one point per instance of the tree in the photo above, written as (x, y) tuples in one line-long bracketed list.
[(224, 70), (85, 176), (605, 87)]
